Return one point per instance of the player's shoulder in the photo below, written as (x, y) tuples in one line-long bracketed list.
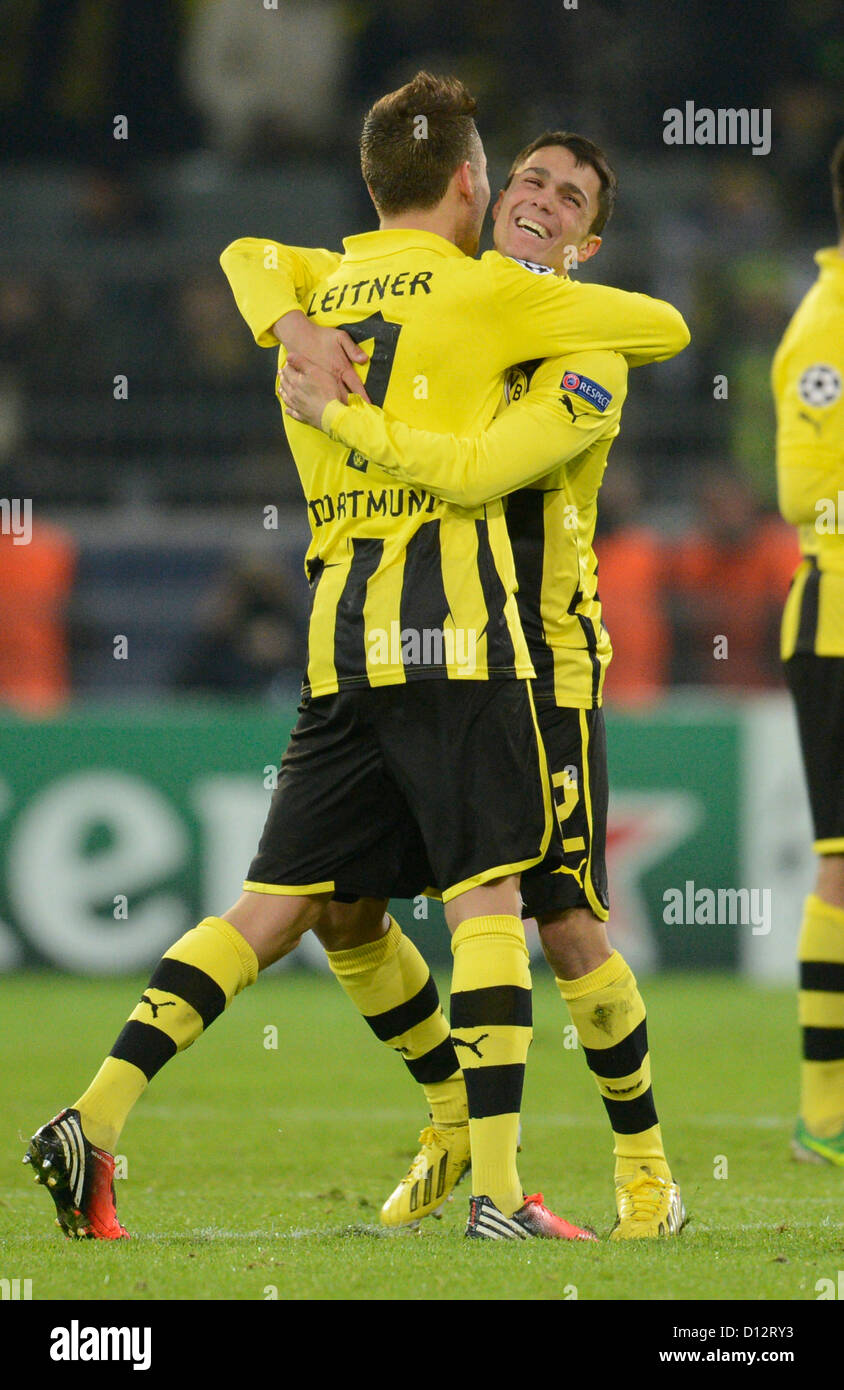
[(496, 263), (822, 304), (528, 276), (816, 320), (811, 347)]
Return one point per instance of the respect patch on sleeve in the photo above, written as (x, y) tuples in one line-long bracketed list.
[(584, 386)]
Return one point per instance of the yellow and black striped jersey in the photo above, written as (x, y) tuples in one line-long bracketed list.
[(387, 559), (557, 421), (808, 384)]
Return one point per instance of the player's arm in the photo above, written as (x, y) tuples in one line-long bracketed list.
[(270, 282), (550, 426), (547, 316), (810, 431)]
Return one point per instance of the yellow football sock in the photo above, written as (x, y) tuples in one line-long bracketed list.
[(389, 982), (190, 987), (609, 1014), (491, 1025), (821, 1017)]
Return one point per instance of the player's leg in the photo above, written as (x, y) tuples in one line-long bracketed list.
[(491, 1024), (830, 881), (366, 844), (599, 989), (476, 750), (289, 881), (389, 982), (338, 820), (605, 1005), (191, 986), (817, 687)]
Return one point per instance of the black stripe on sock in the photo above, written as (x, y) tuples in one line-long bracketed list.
[(494, 1090), (146, 1047), (822, 974), (823, 1044), (437, 1065), (192, 985), (392, 1022), (503, 1004), (632, 1116), (623, 1057)]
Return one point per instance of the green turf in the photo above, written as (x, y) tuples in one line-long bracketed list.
[(253, 1170)]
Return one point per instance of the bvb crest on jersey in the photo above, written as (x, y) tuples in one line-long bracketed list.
[(515, 385)]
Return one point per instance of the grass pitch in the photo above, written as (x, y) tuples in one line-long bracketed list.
[(256, 1172)]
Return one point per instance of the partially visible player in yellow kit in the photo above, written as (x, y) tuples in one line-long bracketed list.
[(808, 384), (557, 423)]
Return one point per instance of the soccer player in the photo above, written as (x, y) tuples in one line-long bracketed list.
[(808, 384), (400, 761), (558, 431)]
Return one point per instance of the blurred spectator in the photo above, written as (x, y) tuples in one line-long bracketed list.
[(35, 584), (729, 577), (251, 641), (266, 78), (630, 585), (210, 344), (69, 67)]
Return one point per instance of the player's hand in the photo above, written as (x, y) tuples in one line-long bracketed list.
[(331, 349), (306, 389)]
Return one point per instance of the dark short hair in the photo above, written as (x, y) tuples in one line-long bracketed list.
[(836, 168), (408, 162), (585, 152)]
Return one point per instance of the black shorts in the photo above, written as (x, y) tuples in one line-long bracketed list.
[(576, 747), (817, 686), (386, 792)]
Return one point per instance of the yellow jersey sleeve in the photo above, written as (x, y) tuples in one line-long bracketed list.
[(572, 401), (269, 280), (535, 315), (547, 315)]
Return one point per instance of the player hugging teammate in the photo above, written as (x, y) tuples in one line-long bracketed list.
[(404, 774)]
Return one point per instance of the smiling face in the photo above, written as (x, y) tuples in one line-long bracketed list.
[(548, 208)]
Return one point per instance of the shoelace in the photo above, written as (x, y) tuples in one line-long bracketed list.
[(642, 1196)]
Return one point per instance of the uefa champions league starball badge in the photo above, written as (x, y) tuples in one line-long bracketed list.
[(819, 386)]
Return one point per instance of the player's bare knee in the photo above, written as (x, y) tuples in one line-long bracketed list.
[(343, 926), (496, 897), (274, 923), (830, 880), (575, 942)]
